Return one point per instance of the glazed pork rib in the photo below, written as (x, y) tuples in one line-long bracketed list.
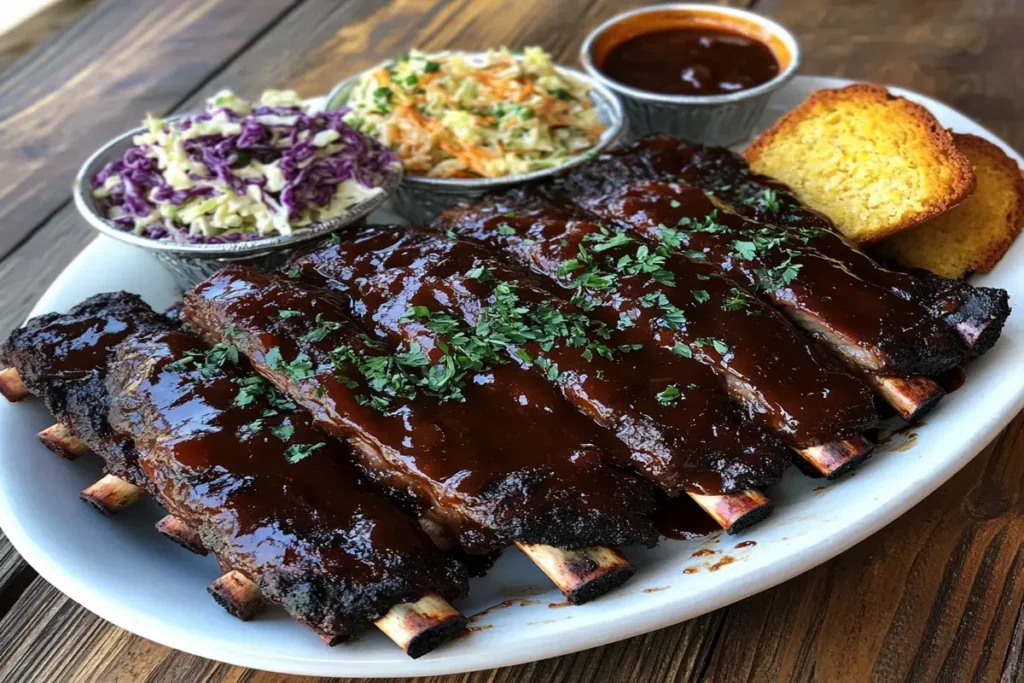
[(272, 498), (686, 312), (61, 358), (977, 314), (889, 340), (507, 465), (412, 284)]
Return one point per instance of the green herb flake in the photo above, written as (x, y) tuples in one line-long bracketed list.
[(283, 431), (669, 396), (682, 350), (299, 452)]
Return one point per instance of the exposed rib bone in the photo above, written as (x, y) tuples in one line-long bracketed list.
[(911, 398), (419, 627), (11, 386), (735, 511), (174, 529), (416, 627), (62, 442), (583, 574), (112, 494), (834, 459), (237, 593)]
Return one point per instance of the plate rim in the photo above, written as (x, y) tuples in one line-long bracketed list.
[(626, 625)]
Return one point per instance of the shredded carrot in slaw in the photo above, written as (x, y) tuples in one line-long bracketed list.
[(451, 116)]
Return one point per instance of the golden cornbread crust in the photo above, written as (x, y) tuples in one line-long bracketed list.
[(973, 236), (874, 163)]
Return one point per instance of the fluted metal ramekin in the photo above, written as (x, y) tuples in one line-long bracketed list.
[(421, 199), (723, 119), (193, 263)]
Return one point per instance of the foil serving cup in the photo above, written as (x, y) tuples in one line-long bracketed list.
[(420, 199), (723, 119), (193, 263)]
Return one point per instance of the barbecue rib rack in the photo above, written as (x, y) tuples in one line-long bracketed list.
[(541, 370)]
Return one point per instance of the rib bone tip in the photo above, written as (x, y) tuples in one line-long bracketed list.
[(582, 574), (112, 494), (61, 441), (11, 385), (237, 593)]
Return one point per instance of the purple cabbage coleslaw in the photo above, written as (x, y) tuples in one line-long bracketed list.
[(241, 171)]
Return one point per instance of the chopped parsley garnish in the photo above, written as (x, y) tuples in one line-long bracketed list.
[(322, 329), (283, 431), (682, 350), (719, 345), (735, 301), (272, 358), (669, 396), (207, 361), (744, 250), (301, 451), (252, 386), (284, 313), (299, 369), (700, 295)]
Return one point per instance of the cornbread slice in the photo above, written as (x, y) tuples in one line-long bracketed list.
[(973, 236), (874, 163)]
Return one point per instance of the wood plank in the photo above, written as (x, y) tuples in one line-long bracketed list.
[(99, 77), (933, 597), (965, 53), (842, 621), (21, 38)]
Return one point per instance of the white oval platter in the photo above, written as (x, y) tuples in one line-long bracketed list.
[(123, 571)]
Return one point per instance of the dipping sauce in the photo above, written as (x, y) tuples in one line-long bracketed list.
[(691, 61)]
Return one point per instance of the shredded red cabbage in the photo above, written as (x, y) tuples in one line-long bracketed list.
[(311, 176)]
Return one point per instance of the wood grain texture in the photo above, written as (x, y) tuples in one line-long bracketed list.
[(21, 38), (99, 77), (936, 596)]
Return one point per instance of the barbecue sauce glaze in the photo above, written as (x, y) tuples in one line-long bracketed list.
[(691, 61), (765, 364), (317, 540), (511, 462), (874, 328), (62, 358), (680, 447), (60, 347), (976, 313)]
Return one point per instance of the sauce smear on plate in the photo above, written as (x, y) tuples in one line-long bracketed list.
[(691, 61)]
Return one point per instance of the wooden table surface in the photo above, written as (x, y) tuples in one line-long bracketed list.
[(936, 596)]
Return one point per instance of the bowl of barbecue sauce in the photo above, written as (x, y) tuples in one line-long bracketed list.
[(701, 72)]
